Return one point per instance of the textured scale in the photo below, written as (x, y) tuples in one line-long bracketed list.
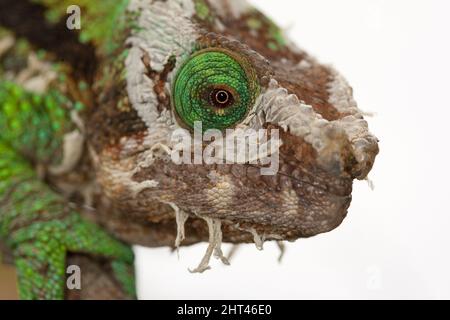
[(34, 134), (87, 119)]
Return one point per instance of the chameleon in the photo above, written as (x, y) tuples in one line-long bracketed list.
[(87, 123)]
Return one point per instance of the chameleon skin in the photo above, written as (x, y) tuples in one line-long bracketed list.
[(203, 71), (38, 224), (122, 67), (49, 121)]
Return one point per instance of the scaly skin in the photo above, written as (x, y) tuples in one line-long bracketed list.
[(38, 224), (86, 123)]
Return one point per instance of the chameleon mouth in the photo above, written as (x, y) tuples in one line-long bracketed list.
[(216, 236), (291, 226), (301, 201)]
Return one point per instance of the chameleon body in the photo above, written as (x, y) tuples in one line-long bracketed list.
[(87, 121)]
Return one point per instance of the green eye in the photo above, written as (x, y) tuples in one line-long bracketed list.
[(215, 87)]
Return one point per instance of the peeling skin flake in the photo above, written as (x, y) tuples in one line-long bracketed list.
[(282, 248), (181, 218), (215, 238), (215, 242), (259, 242)]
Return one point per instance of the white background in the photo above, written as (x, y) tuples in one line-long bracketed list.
[(395, 241)]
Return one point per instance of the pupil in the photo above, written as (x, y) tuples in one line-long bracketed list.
[(222, 96)]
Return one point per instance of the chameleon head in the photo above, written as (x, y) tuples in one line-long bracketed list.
[(226, 66)]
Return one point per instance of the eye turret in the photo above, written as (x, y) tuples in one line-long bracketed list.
[(214, 86)]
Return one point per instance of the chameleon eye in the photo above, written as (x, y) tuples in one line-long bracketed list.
[(216, 87)]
